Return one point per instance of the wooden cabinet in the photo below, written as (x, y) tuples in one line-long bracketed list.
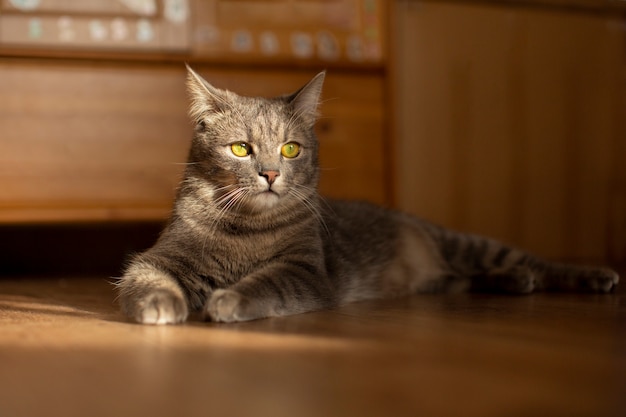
[(90, 142), (510, 123)]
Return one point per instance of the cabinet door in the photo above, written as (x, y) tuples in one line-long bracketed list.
[(507, 122)]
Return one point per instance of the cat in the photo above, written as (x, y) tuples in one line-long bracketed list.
[(249, 236)]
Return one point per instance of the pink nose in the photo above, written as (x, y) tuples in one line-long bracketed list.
[(270, 176)]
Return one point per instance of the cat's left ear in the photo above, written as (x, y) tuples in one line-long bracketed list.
[(306, 100), (205, 99)]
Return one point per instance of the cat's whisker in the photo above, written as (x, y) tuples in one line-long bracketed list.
[(234, 200), (327, 99), (223, 196), (241, 198), (225, 187), (224, 202), (321, 198), (310, 206), (230, 199)]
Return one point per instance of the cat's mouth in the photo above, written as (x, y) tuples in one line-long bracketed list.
[(265, 199)]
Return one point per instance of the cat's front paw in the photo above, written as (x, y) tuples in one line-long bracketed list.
[(226, 306), (159, 306)]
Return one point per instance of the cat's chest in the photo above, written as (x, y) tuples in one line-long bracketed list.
[(231, 257)]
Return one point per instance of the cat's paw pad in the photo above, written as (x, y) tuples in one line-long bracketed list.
[(604, 280), (161, 307), (225, 306)]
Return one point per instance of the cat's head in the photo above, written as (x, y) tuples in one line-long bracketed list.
[(255, 154)]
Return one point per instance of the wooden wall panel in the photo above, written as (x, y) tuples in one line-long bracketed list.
[(617, 208), (572, 74), (506, 122), (451, 95)]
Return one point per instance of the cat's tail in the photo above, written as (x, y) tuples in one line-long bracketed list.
[(493, 266)]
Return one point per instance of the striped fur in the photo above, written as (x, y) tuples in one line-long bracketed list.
[(240, 247)]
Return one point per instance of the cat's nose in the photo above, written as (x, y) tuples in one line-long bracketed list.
[(270, 176)]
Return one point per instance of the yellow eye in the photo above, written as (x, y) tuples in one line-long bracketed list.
[(290, 150), (241, 149)]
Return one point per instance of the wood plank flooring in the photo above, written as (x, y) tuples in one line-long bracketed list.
[(66, 351)]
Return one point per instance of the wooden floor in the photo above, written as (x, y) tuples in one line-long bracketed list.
[(66, 351)]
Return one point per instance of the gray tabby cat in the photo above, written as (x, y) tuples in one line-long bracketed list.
[(250, 237)]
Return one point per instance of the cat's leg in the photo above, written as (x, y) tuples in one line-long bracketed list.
[(513, 280), (495, 267), (563, 277), (149, 295), (277, 290), (536, 275)]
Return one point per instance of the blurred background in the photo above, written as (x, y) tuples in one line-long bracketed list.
[(503, 118)]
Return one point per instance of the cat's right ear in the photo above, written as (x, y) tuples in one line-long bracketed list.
[(306, 100), (206, 100)]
